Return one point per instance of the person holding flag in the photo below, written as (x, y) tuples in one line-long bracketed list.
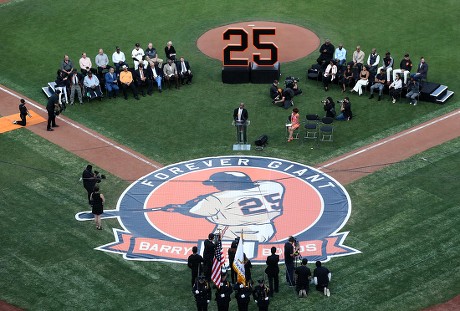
[(239, 263)]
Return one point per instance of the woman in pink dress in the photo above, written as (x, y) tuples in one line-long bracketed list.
[(295, 123)]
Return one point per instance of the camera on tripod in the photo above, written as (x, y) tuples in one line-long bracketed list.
[(289, 82)]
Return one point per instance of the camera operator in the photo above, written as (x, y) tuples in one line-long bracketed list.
[(345, 110), (329, 107), (90, 179), (292, 83), (289, 257)]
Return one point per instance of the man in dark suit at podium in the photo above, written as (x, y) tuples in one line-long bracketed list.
[(240, 115)]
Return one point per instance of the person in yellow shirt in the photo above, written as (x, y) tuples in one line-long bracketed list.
[(127, 81)]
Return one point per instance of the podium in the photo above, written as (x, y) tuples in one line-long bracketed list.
[(241, 135)]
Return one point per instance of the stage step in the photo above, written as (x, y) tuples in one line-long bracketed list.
[(439, 92), (52, 85), (446, 96), (47, 91)]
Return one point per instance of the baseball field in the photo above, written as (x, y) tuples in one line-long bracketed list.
[(404, 219)]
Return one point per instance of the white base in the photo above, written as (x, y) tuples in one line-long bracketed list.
[(239, 147)]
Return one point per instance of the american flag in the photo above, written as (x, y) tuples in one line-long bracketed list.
[(217, 263)]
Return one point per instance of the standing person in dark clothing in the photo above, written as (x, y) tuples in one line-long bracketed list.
[(243, 295), (223, 293), (261, 296), (303, 278), (326, 54), (51, 107), (23, 112), (322, 277), (273, 271), (194, 262), (202, 293), (97, 206), (247, 269), (89, 180), (208, 255), (231, 259), (289, 260)]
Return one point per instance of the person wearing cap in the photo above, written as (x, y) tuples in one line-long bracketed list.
[(223, 293), (208, 255), (102, 61), (170, 73), (243, 295), (51, 107), (326, 53), (127, 81), (260, 295), (194, 262), (387, 65), (273, 271), (321, 277), (340, 56), (85, 64), (118, 59), (23, 113), (202, 292), (170, 51), (138, 56), (303, 274), (405, 66)]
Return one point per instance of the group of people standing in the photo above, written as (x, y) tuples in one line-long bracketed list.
[(299, 277)]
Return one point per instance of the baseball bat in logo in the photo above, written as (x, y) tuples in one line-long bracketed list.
[(167, 212)]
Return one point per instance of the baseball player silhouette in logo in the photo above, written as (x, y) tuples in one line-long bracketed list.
[(240, 204)]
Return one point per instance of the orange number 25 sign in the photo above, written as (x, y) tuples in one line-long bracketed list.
[(243, 45)]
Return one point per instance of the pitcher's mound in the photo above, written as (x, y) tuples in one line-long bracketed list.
[(293, 42)]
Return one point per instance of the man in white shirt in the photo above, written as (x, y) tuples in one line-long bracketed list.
[(91, 83), (118, 59), (156, 75)]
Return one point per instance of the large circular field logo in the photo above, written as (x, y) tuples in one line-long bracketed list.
[(167, 212)]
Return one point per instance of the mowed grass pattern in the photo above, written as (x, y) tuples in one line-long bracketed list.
[(404, 218)]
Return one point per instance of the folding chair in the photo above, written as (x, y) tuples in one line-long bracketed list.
[(326, 129), (311, 126)]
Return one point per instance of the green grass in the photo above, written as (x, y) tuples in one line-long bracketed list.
[(403, 219)]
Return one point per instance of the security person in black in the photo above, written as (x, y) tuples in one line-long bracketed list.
[(51, 106), (261, 296), (208, 255), (194, 262), (223, 293), (23, 112), (243, 295), (202, 292), (89, 180)]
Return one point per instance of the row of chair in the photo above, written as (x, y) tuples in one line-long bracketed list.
[(316, 128)]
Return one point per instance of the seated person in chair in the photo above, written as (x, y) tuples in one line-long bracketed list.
[(379, 84), (387, 65), (340, 56), (151, 55), (348, 78), (413, 91), (358, 59), (422, 70), (170, 51), (76, 84), (156, 75), (127, 81), (138, 56), (294, 118), (373, 61), (62, 82), (395, 88), (275, 92), (67, 65), (170, 73), (185, 72), (111, 83), (141, 78), (93, 88), (363, 81), (329, 74), (85, 64)]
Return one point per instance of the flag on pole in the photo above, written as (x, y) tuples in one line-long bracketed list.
[(238, 263), (217, 263)]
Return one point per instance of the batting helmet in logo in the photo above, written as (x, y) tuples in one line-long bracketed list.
[(230, 181)]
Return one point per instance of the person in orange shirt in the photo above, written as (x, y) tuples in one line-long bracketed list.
[(127, 81)]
